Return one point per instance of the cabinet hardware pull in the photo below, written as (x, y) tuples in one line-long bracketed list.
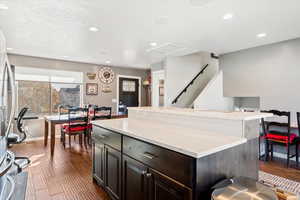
[(148, 155)]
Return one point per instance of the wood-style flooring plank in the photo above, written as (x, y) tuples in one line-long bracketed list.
[(65, 177), (278, 167)]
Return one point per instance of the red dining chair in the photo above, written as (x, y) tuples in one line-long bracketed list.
[(78, 124), (279, 133)]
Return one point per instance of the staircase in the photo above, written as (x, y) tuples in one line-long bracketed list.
[(192, 90), (189, 85)]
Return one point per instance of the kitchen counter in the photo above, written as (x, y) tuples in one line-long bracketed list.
[(203, 113), (187, 141), (180, 153)]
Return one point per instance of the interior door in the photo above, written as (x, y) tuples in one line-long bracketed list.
[(128, 93)]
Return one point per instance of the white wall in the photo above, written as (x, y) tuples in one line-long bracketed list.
[(157, 66), (211, 98), (271, 72), (156, 77), (179, 71)]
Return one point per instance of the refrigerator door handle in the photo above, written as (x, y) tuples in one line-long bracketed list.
[(13, 97), (11, 159)]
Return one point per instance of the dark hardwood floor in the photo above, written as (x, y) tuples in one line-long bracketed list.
[(66, 177), (278, 168)]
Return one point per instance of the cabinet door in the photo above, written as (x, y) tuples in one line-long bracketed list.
[(98, 163), (113, 172), (162, 187), (134, 179)]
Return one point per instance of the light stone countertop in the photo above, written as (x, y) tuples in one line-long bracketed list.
[(204, 113), (183, 140)]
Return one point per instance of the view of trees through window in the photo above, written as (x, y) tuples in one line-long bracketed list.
[(45, 98), (64, 94)]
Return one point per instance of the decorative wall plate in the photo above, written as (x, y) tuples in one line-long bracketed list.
[(106, 75), (106, 89), (91, 75)]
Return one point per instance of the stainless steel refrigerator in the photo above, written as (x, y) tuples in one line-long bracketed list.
[(8, 179)]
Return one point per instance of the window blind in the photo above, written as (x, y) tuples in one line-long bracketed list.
[(47, 75)]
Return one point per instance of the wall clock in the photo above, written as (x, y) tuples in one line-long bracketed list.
[(106, 75)]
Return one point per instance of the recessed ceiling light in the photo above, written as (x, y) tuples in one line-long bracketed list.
[(261, 35), (153, 44), (108, 62), (3, 7), (228, 16), (93, 29), (9, 48)]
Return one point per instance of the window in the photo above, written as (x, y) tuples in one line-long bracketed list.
[(128, 86), (34, 95), (43, 90), (63, 94)]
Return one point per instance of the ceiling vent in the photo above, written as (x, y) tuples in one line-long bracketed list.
[(169, 49)]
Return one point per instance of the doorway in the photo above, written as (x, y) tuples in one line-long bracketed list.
[(129, 93), (158, 93)]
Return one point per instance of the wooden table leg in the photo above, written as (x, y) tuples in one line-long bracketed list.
[(46, 133), (52, 130)]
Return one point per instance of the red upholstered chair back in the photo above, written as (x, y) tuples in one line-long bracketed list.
[(280, 130)]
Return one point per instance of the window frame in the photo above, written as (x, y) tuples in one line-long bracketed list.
[(51, 109)]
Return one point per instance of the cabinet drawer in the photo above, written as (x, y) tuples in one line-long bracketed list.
[(107, 137), (173, 164)]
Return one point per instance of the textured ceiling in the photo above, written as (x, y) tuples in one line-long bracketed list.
[(60, 28)]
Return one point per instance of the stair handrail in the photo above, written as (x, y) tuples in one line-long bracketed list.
[(190, 83)]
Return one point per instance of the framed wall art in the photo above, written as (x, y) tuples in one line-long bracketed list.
[(92, 89)]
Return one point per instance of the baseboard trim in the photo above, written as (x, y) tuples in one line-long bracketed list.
[(38, 138)]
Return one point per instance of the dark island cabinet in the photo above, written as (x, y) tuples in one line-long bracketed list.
[(98, 162), (162, 187), (135, 185), (143, 183), (113, 172), (131, 169), (107, 168)]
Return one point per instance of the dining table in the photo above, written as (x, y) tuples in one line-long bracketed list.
[(52, 120)]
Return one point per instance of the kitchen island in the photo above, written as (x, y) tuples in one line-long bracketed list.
[(171, 153)]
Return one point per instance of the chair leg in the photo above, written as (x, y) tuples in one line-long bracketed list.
[(272, 151), (266, 150), (70, 140), (85, 137), (80, 139), (64, 139), (90, 138), (288, 156), (297, 154)]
